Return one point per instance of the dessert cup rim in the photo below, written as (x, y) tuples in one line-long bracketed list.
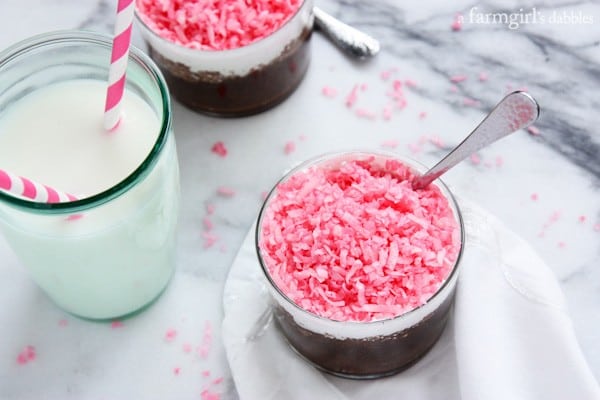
[(146, 28), (330, 156)]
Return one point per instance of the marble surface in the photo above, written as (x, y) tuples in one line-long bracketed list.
[(545, 187)]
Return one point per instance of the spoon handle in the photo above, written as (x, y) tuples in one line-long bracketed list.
[(517, 110), (355, 42)]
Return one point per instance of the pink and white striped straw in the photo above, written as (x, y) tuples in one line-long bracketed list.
[(118, 63), (19, 186)]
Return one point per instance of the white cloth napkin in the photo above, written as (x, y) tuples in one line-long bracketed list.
[(510, 336)]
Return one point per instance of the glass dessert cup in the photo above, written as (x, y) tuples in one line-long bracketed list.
[(362, 350), (240, 81)]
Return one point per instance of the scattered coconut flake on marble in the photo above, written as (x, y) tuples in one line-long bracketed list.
[(206, 344), (469, 102), (454, 89), (215, 25), (386, 74), (209, 239), (483, 76), (561, 245), (352, 97), (208, 224), (552, 219), (187, 348), (364, 113), (219, 149), (207, 394), (392, 144), (499, 161), (423, 115), (457, 22), (372, 248), (218, 381), (170, 334), (329, 91), (597, 227), (437, 141), (582, 218), (302, 138), (176, 370), (533, 130), (364, 87), (225, 191), (387, 112), (116, 324), (458, 78), (410, 83), (475, 159), (206, 373), (534, 196), (27, 355), (63, 322), (289, 147), (210, 208)]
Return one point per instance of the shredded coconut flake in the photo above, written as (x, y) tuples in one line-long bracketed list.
[(356, 242), (219, 149)]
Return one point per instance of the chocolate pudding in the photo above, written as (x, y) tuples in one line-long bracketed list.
[(365, 358), (234, 96)]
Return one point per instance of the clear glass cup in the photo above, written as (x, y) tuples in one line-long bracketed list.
[(362, 350), (119, 255), (240, 81)]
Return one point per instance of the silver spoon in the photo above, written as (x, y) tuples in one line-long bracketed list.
[(349, 39), (516, 111)]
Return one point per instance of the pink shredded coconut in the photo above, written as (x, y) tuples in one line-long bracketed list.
[(390, 143), (225, 191), (215, 24), (458, 78), (170, 334), (116, 324), (26, 355), (352, 97), (219, 149), (597, 227), (422, 115), (582, 218), (457, 22), (483, 76), (534, 196), (356, 242), (63, 322), (289, 147), (210, 395), (329, 91), (533, 130), (364, 113), (210, 209)]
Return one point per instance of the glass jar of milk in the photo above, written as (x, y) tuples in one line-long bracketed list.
[(111, 252)]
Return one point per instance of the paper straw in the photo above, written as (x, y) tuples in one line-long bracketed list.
[(29, 189), (118, 63)]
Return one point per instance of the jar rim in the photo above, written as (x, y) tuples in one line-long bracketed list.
[(71, 37), (355, 153)]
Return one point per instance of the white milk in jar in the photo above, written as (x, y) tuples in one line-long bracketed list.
[(106, 260)]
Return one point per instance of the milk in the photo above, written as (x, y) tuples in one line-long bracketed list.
[(112, 259)]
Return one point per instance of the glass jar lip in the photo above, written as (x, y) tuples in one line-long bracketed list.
[(135, 55), (357, 153), (221, 52)]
